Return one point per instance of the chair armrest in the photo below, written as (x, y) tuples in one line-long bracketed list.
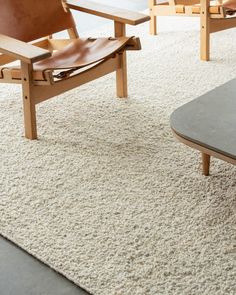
[(106, 11), (20, 50)]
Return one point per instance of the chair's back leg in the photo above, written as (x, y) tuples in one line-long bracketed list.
[(206, 159), (121, 73), (28, 101), (205, 30), (153, 20), (73, 33)]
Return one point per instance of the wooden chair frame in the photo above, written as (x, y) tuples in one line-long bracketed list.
[(36, 91), (212, 18)]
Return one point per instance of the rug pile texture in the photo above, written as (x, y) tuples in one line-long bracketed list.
[(106, 196)]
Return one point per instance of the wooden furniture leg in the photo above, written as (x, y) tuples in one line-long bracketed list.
[(28, 101), (153, 21), (121, 73), (206, 159), (205, 30)]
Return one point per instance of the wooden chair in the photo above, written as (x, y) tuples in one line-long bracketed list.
[(208, 124), (49, 67), (214, 17)]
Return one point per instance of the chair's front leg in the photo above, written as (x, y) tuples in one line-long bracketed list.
[(28, 101), (153, 21), (205, 30), (121, 73)]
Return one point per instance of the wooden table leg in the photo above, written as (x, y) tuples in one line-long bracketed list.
[(206, 159)]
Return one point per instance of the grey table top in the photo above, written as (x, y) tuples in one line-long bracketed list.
[(210, 120)]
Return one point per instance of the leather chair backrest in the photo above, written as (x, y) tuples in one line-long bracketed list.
[(29, 20)]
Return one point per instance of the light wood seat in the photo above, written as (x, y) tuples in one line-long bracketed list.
[(214, 16), (196, 9), (48, 66), (189, 8)]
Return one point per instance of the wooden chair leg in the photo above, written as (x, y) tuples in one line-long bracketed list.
[(29, 118), (205, 31), (28, 102), (206, 159), (121, 73), (153, 24), (153, 20), (205, 45)]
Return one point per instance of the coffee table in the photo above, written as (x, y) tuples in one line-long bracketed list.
[(208, 124)]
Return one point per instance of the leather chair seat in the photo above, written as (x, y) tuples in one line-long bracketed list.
[(79, 53), (230, 4)]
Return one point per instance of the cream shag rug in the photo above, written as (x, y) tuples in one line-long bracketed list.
[(107, 197)]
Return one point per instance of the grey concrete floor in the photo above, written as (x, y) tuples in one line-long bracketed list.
[(20, 273)]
